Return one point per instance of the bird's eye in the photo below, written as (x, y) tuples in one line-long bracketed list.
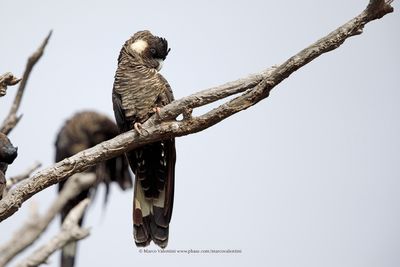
[(153, 51)]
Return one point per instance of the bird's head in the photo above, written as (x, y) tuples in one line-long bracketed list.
[(151, 50)]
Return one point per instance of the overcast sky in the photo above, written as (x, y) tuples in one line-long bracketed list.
[(308, 177)]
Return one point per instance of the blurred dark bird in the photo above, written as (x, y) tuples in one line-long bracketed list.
[(8, 153), (139, 92), (82, 131)]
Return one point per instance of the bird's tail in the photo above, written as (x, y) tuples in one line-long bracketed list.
[(153, 193), (150, 222)]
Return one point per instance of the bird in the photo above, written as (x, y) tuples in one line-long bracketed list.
[(84, 130), (8, 153), (139, 91)]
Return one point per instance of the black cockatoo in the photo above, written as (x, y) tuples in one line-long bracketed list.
[(82, 131), (139, 91)]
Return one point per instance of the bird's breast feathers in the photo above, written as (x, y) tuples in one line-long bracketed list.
[(139, 90)]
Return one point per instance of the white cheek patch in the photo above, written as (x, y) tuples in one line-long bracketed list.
[(160, 64), (139, 46)]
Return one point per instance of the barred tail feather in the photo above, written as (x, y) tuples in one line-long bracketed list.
[(149, 221), (154, 167)]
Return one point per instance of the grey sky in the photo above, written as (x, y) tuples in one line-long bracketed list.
[(308, 177)]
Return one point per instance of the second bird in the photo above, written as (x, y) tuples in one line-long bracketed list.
[(139, 91)]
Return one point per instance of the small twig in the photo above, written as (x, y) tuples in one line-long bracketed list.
[(12, 119), (35, 226), (18, 178), (7, 79), (70, 231)]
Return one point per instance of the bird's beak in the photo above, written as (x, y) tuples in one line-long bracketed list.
[(160, 64)]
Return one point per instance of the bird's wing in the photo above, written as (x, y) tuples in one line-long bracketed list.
[(169, 186), (120, 118)]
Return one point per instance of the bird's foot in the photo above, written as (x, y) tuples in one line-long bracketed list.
[(157, 110), (187, 113), (139, 129)]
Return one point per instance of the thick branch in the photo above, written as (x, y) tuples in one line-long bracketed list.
[(213, 94), (7, 79), (25, 175), (157, 130), (12, 119), (34, 227), (70, 231)]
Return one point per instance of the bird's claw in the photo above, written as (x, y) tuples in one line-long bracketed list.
[(139, 129), (157, 110)]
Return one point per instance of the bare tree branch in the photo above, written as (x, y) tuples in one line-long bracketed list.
[(35, 226), (25, 175), (12, 119), (29, 223), (167, 127), (70, 231), (5, 80)]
